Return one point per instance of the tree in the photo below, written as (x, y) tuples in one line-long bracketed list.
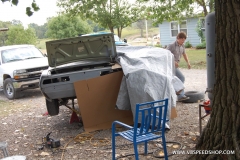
[(96, 27), (3, 34), (141, 24), (16, 22), (40, 30), (107, 13), (160, 10), (29, 10), (207, 6), (64, 26), (200, 32), (124, 14), (18, 35), (223, 129)]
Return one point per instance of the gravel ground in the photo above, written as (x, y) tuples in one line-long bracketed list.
[(23, 125)]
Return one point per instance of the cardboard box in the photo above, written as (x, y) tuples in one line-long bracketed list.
[(173, 113), (97, 100)]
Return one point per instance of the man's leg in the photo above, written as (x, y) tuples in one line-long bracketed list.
[(181, 95), (180, 75)]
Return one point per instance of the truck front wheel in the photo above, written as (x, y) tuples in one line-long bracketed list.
[(52, 107), (8, 89)]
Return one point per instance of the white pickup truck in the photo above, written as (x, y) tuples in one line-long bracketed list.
[(20, 68)]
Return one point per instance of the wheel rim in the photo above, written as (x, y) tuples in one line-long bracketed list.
[(9, 89)]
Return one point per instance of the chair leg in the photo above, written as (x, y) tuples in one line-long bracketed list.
[(136, 151), (5, 152), (145, 148), (3, 147), (113, 145), (164, 147)]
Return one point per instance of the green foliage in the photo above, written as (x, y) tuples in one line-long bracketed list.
[(196, 57), (3, 34), (41, 43), (158, 45), (199, 30), (40, 30), (64, 26), (107, 13), (16, 22), (18, 35), (161, 10), (188, 45), (96, 27), (29, 10), (201, 46)]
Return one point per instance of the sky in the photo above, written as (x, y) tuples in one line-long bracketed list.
[(48, 8)]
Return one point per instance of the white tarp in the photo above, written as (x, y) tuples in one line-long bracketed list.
[(149, 74)]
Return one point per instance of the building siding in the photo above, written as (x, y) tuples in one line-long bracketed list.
[(192, 36)]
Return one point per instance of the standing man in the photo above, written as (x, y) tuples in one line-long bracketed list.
[(178, 50)]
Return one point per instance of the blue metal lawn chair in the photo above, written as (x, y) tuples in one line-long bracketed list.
[(153, 116)]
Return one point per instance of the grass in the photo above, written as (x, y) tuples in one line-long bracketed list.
[(41, 43), (129, 32), (196, 57)]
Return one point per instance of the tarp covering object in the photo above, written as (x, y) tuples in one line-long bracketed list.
[(148, 75)]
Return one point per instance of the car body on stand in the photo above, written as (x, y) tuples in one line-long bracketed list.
[(75, 59)]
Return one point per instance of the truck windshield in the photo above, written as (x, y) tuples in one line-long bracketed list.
[(21, 53)]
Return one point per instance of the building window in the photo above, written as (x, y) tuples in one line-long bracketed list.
[(178, 27)]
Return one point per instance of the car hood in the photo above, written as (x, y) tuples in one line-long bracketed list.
[(87, 48), (27, 64)]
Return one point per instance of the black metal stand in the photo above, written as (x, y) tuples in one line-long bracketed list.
[(201, 117)]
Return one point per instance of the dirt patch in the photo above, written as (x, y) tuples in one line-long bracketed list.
[(25, 124)]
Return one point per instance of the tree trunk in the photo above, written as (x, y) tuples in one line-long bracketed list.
[(202, 3), (223, 129), (119, 29), (111, 29)]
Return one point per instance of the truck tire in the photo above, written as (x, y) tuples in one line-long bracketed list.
[(194, 97), (52, 107), (8, 89)]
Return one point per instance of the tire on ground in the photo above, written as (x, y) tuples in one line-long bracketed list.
[(8, 89), (194, 96), (52, 107)]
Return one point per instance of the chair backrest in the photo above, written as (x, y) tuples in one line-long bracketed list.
[(152, 116)]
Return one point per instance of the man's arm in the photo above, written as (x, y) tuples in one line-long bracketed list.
[(186, 59)]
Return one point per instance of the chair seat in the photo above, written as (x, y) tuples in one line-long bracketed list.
[(145, 137)]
